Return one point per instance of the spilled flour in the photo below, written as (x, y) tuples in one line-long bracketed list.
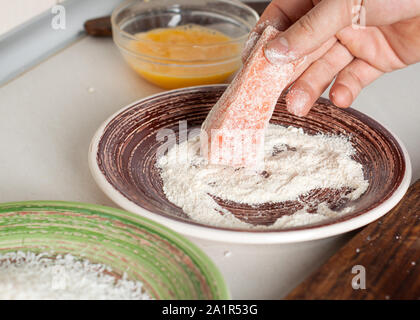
[(294, 164)]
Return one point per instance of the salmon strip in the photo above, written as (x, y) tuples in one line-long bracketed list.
[(233, 132)]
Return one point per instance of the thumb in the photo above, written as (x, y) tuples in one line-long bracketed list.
[(308, 33)]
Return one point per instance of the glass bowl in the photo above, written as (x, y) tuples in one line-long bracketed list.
[(168, 265), (175, 65)]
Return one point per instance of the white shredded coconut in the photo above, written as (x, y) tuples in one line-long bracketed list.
[(29, 276), (294, 162)]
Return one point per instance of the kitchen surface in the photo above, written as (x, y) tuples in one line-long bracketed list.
[(50, 112)]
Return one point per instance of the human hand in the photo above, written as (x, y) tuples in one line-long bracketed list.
[(390, 41)]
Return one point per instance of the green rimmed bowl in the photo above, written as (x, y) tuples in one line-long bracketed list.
[(169, 266)]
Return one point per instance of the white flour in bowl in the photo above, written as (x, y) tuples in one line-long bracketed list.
[(29, 276), (294, 164)]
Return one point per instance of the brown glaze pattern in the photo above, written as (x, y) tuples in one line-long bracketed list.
[(266, 214), (127, 154)]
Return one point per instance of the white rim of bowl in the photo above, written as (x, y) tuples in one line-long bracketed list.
[(243, 236)]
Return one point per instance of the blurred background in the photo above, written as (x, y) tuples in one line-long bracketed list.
[(13, 13)]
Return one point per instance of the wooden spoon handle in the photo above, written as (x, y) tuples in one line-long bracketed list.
[(101, 27), (386, 254)]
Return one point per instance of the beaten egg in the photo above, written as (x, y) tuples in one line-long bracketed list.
[(184, 56)]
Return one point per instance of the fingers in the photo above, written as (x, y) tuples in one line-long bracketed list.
[(330, 16), (385, 12), (402, 33), (318, 53), (313, 82), (310, 31), (351, 80), (371, 45), (279, 14)]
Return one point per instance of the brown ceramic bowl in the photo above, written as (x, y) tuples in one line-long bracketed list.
[(123, 155)]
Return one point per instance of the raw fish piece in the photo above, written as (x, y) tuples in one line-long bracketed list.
[(233, 132)]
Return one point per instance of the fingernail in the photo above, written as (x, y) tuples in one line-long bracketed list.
[(277, 51), (297, 102), (341, 96), (249, 45)]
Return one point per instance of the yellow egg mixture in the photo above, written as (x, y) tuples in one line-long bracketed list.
[(184, 56)]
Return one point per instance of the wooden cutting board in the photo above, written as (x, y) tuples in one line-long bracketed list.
[(386, 254)]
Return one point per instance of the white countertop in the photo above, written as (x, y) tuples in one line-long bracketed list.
[(49, 114)]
